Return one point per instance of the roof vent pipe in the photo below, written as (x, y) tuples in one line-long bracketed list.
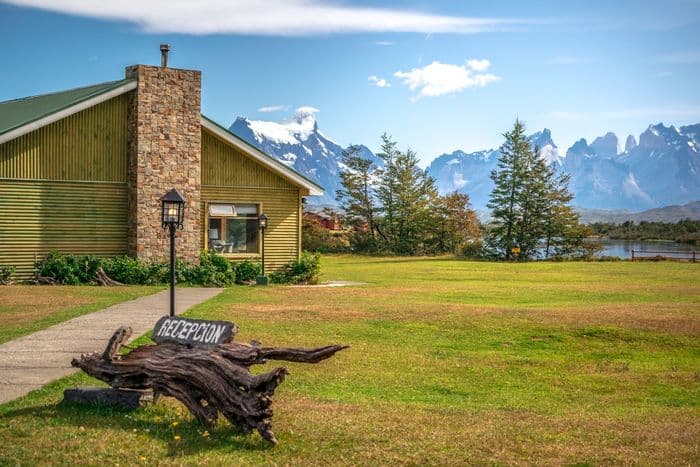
[(164, 49)]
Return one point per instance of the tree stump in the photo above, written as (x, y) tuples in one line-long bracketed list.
[(208, 380)]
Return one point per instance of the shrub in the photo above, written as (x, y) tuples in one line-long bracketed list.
[(69, 269), (305, 270), (6, 273), (246, 271), (212, 270), (128, 270)]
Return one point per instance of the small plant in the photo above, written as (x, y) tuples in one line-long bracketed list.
[(128, 270), (305, 270), (69, 269), (247, 271), (213, 270), (6, 273)]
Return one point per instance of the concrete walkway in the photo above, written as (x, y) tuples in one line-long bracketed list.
[(29, 362)]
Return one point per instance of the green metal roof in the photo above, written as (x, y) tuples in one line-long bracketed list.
[(19, 112)]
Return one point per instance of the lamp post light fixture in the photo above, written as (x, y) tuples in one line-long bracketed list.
[(262, 225), (172, 215)]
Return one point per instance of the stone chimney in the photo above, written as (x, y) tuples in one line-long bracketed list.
[(165, 143)]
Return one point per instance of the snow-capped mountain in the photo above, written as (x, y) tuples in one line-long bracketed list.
[(660, 168), (470, 172), (299, 143)]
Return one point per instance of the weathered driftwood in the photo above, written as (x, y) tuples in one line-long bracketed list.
[(103, 279), (206, 379), (42, 280)]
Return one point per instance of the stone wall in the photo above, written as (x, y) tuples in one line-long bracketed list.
[(165, 141)]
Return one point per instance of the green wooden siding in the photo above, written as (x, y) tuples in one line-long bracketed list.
[(90, 145), (63, 187), (224, 165), (70, 217), (230, 176)]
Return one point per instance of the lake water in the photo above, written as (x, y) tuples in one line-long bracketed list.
[(623, 248)]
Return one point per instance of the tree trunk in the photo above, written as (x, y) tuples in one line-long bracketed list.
[(206, 379)]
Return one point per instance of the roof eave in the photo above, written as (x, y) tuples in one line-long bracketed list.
[(265, 159), (66, 112)]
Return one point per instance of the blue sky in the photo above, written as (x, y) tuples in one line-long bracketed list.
[(438, 75)]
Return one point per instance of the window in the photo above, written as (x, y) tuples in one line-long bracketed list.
[(233, 228)]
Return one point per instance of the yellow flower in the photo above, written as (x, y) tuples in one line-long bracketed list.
[(176, 437), (176, 423), (157, 419), (142, 459), (205, 434)]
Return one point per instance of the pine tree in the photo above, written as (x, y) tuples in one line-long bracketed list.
[(357, 197), (563, 233), (386, 191), (533, 201), (413, 193), (509, 184)]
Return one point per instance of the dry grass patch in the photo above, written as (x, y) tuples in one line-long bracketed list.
[(26, 308)]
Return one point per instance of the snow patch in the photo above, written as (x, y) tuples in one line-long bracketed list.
[(550, 154), (458, 180), (453, 162), (632, 189)]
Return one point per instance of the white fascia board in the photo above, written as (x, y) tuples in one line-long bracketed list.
[(54, 117), (263, 158)]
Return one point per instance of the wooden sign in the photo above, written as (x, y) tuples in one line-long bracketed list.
[(193, 331)]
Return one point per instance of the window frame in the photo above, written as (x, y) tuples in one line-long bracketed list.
[(236, 255)]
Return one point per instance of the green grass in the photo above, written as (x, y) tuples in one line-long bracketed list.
[(451, 362), (27, 309)]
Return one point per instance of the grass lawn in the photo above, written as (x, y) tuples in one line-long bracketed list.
[(452, 362), (27, 309)]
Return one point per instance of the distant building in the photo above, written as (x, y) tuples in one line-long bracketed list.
[(82, 171), (330, 221)]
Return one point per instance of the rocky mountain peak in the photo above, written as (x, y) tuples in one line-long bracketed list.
[(630, 143), (606, 146)]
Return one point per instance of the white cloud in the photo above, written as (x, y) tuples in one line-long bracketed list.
[(270, 17), (379, 82), (478, 65), (385, 43), (664, 74), (438, 78), (273, 108)]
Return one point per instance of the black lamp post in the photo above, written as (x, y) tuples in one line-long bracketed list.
[(262, 225), (172, 215)]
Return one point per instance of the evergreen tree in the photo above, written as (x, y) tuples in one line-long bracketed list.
[(357, 197), (508, 177), (530, 204), (413, 193), (386, 191), (533, 202)]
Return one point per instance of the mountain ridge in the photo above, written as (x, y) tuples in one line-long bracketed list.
[(660, 168)]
